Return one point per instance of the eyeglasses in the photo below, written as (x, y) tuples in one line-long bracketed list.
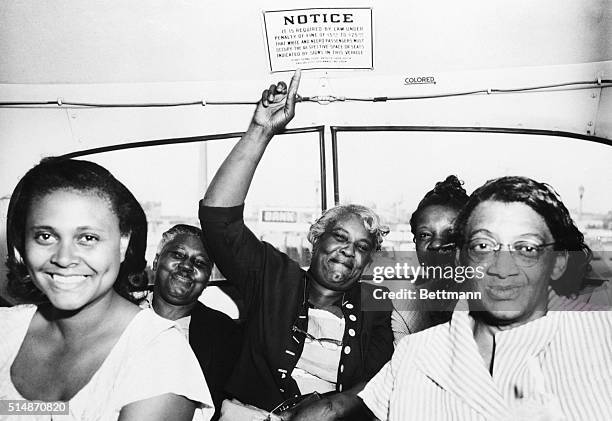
[(327, 343), (525, 253)]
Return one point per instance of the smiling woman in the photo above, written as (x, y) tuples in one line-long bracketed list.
[(73, 248), (62, 177), (76, 239), (182, 267), (511, 356), (306, 331), (343, 240), (432, 227)]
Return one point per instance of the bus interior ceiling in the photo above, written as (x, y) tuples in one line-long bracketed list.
[(212, 56)]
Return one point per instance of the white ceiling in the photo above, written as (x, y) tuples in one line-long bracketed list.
[(70, 41)]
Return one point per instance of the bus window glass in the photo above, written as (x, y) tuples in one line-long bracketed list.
[(169, 180), (392, 171)]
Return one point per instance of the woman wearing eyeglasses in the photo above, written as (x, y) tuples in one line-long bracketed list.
[(432, 227), (509, 357)]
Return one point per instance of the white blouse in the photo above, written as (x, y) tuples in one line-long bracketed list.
[(317, 368), (151, 358)]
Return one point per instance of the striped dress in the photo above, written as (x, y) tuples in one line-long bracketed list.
[(558, 367)]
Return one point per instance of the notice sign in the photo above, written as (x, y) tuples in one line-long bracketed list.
[(319, 38)]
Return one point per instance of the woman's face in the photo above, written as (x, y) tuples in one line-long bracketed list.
[(513, 290), (73, 247), (434, 229), (342, 253), (182, 270)]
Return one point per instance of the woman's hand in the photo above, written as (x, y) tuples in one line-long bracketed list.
[(337, 406), (277, 105), (321, 410), (230, 184)]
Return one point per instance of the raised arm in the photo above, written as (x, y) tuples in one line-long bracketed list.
[(231, 183)]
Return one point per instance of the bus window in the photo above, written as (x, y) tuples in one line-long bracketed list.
[(407, 164), (171, 179)]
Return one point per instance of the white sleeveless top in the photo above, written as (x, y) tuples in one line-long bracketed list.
[(151, 358)]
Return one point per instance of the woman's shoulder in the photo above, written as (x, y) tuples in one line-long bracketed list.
[(18, 309), (150, 359), (147, 327), (16, 317), (145, 332), (592, 320), (157, 360), (14, 323), (409, 344), (148, 336)]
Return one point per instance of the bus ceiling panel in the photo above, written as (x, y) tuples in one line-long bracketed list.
[(89, 42)]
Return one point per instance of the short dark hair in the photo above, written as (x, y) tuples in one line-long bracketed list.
[(449, 193), (544, 200), (55, 174)]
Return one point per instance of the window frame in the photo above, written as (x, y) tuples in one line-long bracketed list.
[(204, 138), (443, 129)]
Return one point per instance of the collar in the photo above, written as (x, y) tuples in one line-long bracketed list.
[(456, 365)]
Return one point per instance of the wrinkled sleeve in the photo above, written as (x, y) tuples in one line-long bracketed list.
[(237, 252), (244, 260), (166, 365), (377, 393), (399, 326)]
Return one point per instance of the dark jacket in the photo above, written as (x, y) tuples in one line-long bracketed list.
[(216, 341), (275, 292)]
